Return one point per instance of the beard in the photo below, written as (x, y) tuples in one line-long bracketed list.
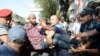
[(34, 23)]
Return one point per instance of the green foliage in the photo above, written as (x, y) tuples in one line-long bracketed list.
[(49, 7)]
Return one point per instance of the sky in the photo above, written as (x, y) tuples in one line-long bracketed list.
[(20, 7)]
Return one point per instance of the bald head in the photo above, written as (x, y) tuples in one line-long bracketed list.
[(32, 18), (54, 19)]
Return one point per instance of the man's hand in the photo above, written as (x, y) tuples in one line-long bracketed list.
[(81, 48), (72, 36), (81, 35), (73, 49), (84, 34)]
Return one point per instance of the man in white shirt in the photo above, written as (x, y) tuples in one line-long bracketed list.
[(63, 22)]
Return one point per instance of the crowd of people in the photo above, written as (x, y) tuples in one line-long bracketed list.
[(56, 37)]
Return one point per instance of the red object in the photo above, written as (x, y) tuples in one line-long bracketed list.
[(5, 12)]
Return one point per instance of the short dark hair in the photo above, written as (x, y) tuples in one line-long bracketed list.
[(86, 11)]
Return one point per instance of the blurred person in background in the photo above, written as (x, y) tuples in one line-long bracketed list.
[(97, 13), (5, 21), (74, 26), (63, 22)]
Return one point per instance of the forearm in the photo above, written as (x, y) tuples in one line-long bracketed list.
[(47, 27), (93, 51), (87, 34), (49, 36), (92, 32), (4, 38), (84, 34)]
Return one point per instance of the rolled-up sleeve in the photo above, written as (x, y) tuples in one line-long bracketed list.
[(3, 31), (98, 29)]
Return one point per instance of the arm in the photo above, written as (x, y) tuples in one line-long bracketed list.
[(87, 34), (47, 27), (50, 34), (4, 38), (3, 35), (92, 32), (93, 51)]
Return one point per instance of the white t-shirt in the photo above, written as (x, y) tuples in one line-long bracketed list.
[(75, 27), (64, 24)]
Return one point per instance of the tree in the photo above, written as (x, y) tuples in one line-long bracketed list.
[(64, 5), (49, 7)]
